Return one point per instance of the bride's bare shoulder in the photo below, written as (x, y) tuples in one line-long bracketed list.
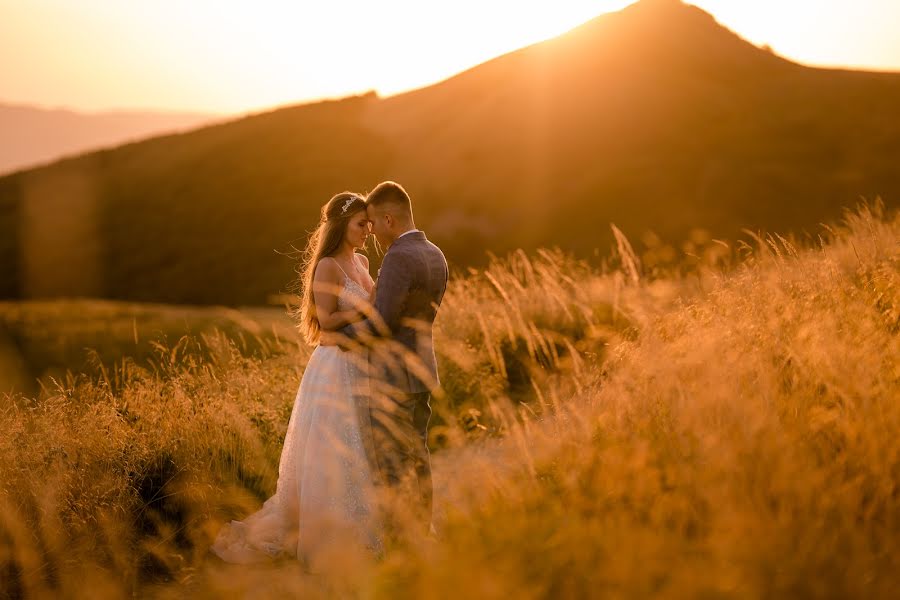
[(328, 269)]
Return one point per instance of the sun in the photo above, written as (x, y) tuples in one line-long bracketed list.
[(426, 46), (278, 50)]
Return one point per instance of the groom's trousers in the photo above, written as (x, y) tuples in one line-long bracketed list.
[(400, 429)]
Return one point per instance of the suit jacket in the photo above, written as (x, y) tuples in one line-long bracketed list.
[(411, 284)]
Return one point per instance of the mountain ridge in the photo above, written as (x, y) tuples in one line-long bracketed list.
[(35, 135)]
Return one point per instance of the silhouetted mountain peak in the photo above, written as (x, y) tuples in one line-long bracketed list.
[(673, 13), (658, 6), (660, 34)]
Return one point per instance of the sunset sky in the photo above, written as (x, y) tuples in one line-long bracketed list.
[(233, 56)]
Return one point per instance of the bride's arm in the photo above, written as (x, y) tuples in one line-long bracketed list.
[(327, 284)]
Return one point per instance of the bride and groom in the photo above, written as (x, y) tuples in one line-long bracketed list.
[(355, 467)]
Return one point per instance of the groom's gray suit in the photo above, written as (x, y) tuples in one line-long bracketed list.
[(408, 292)]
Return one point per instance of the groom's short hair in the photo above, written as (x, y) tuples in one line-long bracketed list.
[(390, 193)]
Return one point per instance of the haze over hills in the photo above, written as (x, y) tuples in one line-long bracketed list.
[(34, 135), (654, 118)]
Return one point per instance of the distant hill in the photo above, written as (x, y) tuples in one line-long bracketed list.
[(32, 135), (654, 117)]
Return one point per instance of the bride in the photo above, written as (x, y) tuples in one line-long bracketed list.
[(323, 502)]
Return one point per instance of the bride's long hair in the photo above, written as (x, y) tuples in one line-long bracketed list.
[(324, 241)]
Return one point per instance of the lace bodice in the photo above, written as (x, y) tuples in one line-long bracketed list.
[(351, 294)]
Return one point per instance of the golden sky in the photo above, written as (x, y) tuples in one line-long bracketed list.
[(239, 55)]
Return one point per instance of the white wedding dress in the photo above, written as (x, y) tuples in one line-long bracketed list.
[(324, 497)]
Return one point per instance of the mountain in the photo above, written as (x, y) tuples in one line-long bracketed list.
[(654, 118), (33, 135)]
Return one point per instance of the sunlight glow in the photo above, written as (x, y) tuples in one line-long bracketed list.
[(234, 56)]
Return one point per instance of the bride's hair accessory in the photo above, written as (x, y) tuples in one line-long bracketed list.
[(347, 204)]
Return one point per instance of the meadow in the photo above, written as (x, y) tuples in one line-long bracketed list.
[(724, 428), (46, 340)]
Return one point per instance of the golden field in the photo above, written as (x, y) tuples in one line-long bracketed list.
[(729, 430)]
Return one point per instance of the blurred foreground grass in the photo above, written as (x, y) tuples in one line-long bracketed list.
[(728, 434)]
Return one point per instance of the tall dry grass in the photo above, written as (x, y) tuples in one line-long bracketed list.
[(728, 434), (743, 445)]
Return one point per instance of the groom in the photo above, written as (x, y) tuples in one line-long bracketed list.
[(410, 286)]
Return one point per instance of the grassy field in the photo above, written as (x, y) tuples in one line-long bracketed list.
[(727, 433), (45, 340)]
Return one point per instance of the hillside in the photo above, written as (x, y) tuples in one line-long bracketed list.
[(655, 118), (33, 135)]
